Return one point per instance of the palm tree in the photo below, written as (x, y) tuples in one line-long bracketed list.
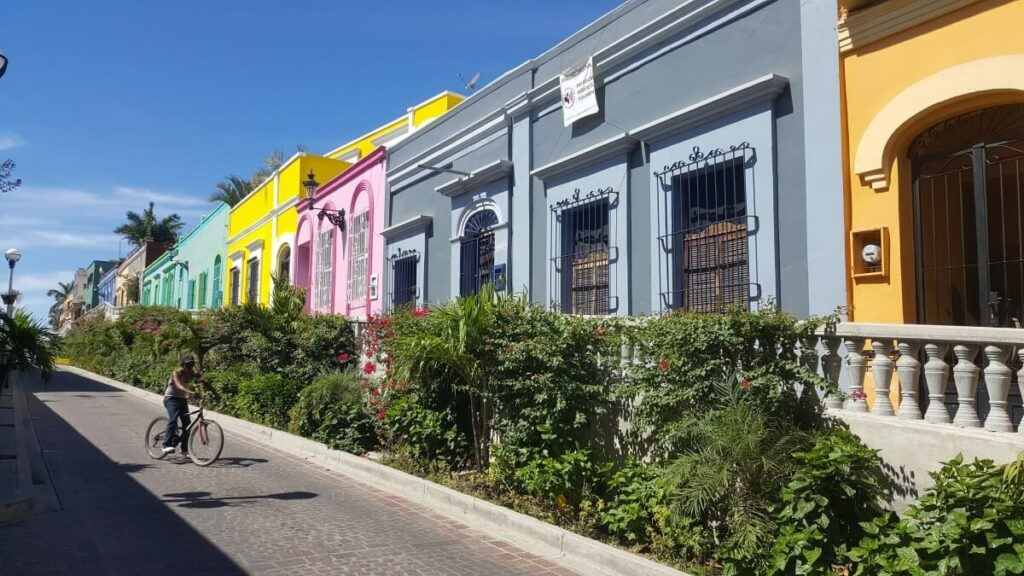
[(59, 295), (26, 343), (446, 347), (146, 226), (232, 190)]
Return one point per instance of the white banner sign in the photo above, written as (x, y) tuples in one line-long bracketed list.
[(578, 96)]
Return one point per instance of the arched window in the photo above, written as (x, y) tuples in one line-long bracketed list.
[(218, 283), (476, 252), (284, 263)]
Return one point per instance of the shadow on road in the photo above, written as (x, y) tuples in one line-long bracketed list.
[(110, 523), (207, 500)]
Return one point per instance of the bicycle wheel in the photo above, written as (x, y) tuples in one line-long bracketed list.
[(155, 437), (205, 442)]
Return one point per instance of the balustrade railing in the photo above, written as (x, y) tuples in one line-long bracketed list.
[(923, 358)]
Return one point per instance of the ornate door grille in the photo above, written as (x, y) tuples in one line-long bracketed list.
[(969, 218), (476, 252)]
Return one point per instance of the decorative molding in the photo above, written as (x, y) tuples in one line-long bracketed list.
[(874, 153), (492, 123), (415, 223), (273, 214), (654, 32), (866, 25), (764, 89), (483, 175), (590, 155)]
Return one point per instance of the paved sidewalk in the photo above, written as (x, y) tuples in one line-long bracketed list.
[(256, 511)]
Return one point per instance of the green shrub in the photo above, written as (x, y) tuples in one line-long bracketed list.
[(688, 354), (970, 522), (318, 341), (636, 494), (266, 399), (428, 435), (564, 479), (332, 410), (839, 485)]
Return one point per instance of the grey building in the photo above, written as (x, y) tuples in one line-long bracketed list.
[(709, 175)]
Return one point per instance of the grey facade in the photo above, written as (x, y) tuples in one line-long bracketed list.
[(718, 132)]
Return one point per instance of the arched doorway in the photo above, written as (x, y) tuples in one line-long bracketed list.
[(968, 174), (476, 252)]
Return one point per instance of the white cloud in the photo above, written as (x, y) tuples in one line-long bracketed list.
[(42, 282), (60, 239), (160, 199), (10, 140)]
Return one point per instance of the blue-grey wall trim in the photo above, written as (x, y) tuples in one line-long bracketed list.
[(826, 238)]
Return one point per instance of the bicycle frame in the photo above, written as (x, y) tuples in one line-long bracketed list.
[(198, 413)]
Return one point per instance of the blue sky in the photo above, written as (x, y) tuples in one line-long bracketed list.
[(106, 106)]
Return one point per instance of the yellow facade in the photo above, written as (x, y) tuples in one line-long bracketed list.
[(954, 58), (906, 67), (261, 228)]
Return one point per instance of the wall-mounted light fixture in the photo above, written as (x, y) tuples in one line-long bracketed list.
[(336, 217)]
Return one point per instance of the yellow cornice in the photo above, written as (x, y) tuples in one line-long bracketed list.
[(862, 27)]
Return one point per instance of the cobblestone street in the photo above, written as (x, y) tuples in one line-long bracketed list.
[(255, 511)]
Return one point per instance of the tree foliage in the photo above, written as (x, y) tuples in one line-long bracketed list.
[(146, 226)]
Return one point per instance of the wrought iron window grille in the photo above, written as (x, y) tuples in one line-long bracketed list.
[(582, 252), (704, 227), (476, 252), (404, 282)]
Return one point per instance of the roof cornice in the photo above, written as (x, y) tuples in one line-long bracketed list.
[(867, 25)]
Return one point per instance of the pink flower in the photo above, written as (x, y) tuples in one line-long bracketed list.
[(421, 312), (745, 384), (600, 331), (375, 392), (342, 358), (368, 368), (381, 414), (858, 394), (663, 365)]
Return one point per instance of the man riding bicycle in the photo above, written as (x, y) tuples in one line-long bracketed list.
[(176, 402)]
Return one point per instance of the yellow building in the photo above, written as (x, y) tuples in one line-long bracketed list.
[(261, 228), (933, 113)]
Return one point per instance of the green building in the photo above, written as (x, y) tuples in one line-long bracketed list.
[(190, 276)]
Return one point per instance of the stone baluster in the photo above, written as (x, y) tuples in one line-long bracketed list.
[(831, 366), (997, 382), (855, 362), (809, 360), (936, 375), (966, 374), (1020, 381), (908, 367), (881, 368)]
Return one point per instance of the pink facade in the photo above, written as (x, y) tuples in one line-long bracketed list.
[(343, 271)]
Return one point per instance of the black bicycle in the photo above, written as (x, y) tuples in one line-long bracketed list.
[(205, 438)]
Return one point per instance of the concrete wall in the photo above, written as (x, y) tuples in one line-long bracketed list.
[(912, 449), (670, 76)]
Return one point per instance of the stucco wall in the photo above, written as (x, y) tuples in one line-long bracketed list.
[(716, 47)]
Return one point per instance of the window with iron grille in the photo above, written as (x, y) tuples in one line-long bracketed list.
[(324, 254), (236, 285), (253, 292), (358, 244), (708, 235), (476, 252), (202, 290), (404, 282), (582, 252)]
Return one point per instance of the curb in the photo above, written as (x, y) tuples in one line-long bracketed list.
[(29, 496), (557, 544)]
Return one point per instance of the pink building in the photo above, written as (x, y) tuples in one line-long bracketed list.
[(339, 247)]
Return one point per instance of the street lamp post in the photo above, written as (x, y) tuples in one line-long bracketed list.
[(10, 296)]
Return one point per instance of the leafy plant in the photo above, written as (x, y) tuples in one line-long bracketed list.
[(968, 523), (637, 494), (427, 435), (331, 410), (266, 399), (140, 228), (839, 485), (26, 343)]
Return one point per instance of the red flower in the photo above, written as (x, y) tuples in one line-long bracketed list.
[(342, 358), (375, 392), (858, 394), (421, 312), (368, 368), (745, 384), (663, 365), (600, 331), (381, 414)]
